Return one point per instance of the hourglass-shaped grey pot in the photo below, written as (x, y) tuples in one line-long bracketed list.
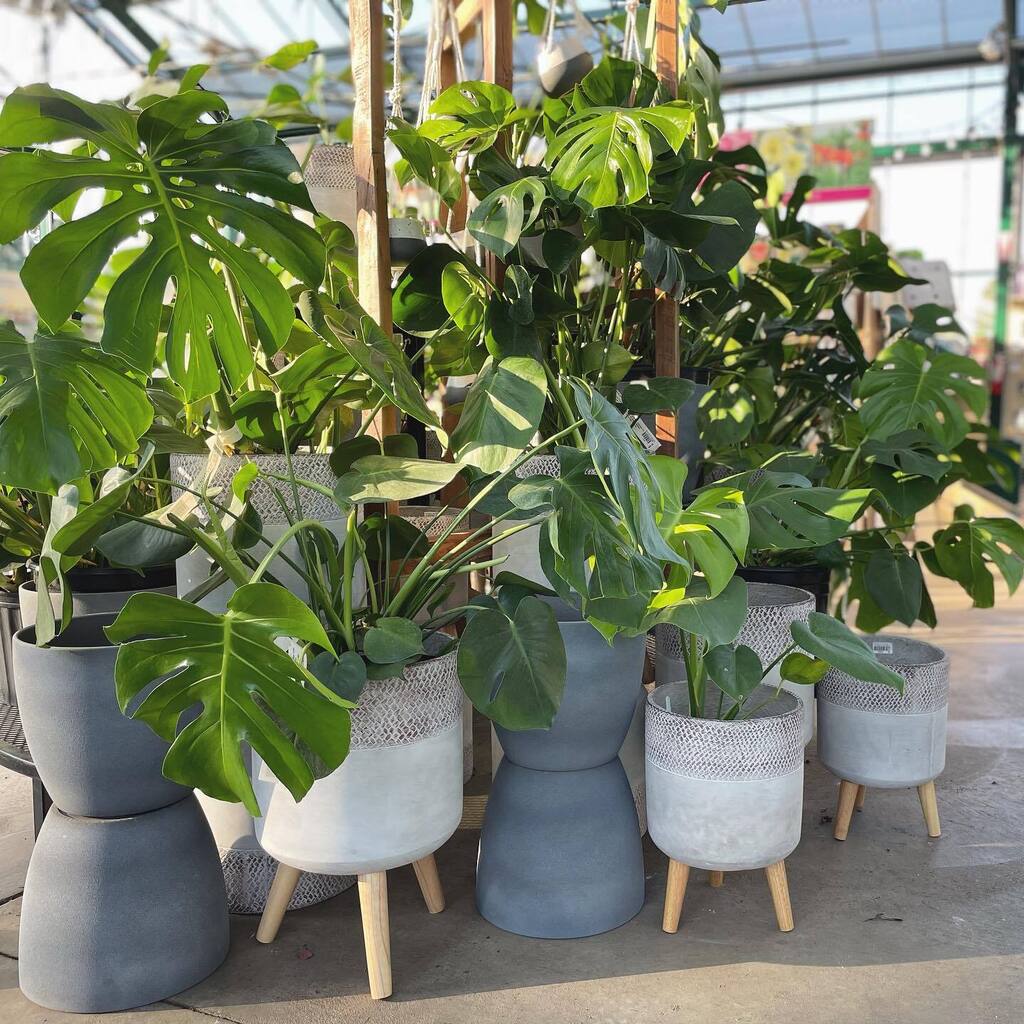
[(560, 849)]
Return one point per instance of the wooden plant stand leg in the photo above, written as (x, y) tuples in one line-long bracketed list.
[(674, 893), (430, 883), (862, 792), (716, 879), (281, 890), (778, 886), (930, 806), (844, 811), (373, 906)]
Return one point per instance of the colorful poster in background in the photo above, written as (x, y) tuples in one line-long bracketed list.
[(837, 153)]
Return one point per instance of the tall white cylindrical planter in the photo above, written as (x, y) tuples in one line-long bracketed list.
[(248, 870), (874, 736), (725, 795), (771, 609)]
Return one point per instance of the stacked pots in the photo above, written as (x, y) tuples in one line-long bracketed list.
[(124, 901), (560, 850), (725, 795), (870, 735), (771, 609), (248, 871)]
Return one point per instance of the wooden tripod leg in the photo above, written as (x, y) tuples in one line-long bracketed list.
[(373, 906), (716, 879), (674, 893), (930, 806), (862, 792), (430, 883), (844, 811), (281, 889), (778, 886)]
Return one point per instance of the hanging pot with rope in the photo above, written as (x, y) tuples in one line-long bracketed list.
[(564, 59)]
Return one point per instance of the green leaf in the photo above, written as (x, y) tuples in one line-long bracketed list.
[(392, 639), (966, 549), (251, 692), (504, 336), (67, 409), (833, 641), (655, 395), (344, 675), (513, 668), (798, 668), (718, 620), (180, 180), (736, 671), (418, 306), (501, 414), (894, 581), (725, 414), (290, 55), (427, 160), (469, 116), (393, 478), (505, 214), (910, 387), (725, 243)]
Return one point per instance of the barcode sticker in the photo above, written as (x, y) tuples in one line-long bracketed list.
[(881, 647), (645, 436)]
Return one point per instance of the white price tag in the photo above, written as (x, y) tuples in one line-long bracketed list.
[(881, 647)]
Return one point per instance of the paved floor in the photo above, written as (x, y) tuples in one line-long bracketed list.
[(891, 927)]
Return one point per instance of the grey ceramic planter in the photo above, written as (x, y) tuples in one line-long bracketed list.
[(10, 623), (560, 849), (121, 912), (724, 796), (91, 758), (771, 610), (873, 735)]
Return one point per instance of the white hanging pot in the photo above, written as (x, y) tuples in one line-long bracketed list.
[(330, 177), (563, 63), (407, 239)]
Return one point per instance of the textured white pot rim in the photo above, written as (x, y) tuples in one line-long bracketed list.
[(777, 707), (776, 595), (907, 652)]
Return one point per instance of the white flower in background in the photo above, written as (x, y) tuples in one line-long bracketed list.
[(595, 273)]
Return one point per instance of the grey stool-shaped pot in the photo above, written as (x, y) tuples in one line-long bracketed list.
[(560, 849), (870, 735), (124, 900)]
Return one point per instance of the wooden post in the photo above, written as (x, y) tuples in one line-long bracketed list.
[(281, 890), (930, 807), (430, 883), (366, 27), (778, 886), (373, 906), (675, 891), (716, 879), (844, 809), (498, 18), (666, 310)]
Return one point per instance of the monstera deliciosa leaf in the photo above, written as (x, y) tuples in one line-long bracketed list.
[(169, 174), (67, 409), (250, 690)]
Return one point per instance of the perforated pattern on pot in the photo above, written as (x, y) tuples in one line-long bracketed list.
[(539, 465), (768, 745), (772, 609), (190, 470), (331, 166), (925, 672), (248, 875), (429, 523), (394, 712)]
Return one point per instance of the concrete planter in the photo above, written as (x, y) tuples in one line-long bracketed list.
[(771, 610), (724, 796), (874, 736), (10, 623), (248, 870), (560, 850), (121, 912), (91, 758), (398, 795)]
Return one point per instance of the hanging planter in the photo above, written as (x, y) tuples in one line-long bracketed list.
[(560, 850), (124, 900), (563, 59), (248, 870), (875, 736), (408, 238), (771, 610), (725, 795), (330, 177)]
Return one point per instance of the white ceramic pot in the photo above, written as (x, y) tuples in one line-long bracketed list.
[(397, 796), (875, 736), (771, 610), (563, 63), (724, 796), (407, 239)]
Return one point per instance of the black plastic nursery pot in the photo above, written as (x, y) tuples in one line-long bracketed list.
[(813, 578)]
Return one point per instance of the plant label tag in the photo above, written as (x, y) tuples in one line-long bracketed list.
[(645, 437), (881, 647)]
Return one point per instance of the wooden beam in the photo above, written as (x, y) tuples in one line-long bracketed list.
[(498, 21), (666, 310), (466, 13), (366, 27)]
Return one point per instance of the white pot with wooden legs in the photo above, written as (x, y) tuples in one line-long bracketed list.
[(396, 798), (770, 611), (873, 736), (725, 795)]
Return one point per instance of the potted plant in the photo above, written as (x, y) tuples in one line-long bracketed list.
[(725, 752)]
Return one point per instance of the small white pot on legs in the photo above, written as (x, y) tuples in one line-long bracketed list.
[(873, 736), (724, 795)]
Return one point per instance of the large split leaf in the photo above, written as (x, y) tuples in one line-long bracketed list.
[(506, 213), (251, 691), (969, 548), (833, 641), (911, 387), (67, 409), (393, 478), (169, 174)]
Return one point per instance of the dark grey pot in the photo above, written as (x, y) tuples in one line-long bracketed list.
[(560, 850), (121, 912), (91, 758)]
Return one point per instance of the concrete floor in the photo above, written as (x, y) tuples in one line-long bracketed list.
[(891, 927)]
